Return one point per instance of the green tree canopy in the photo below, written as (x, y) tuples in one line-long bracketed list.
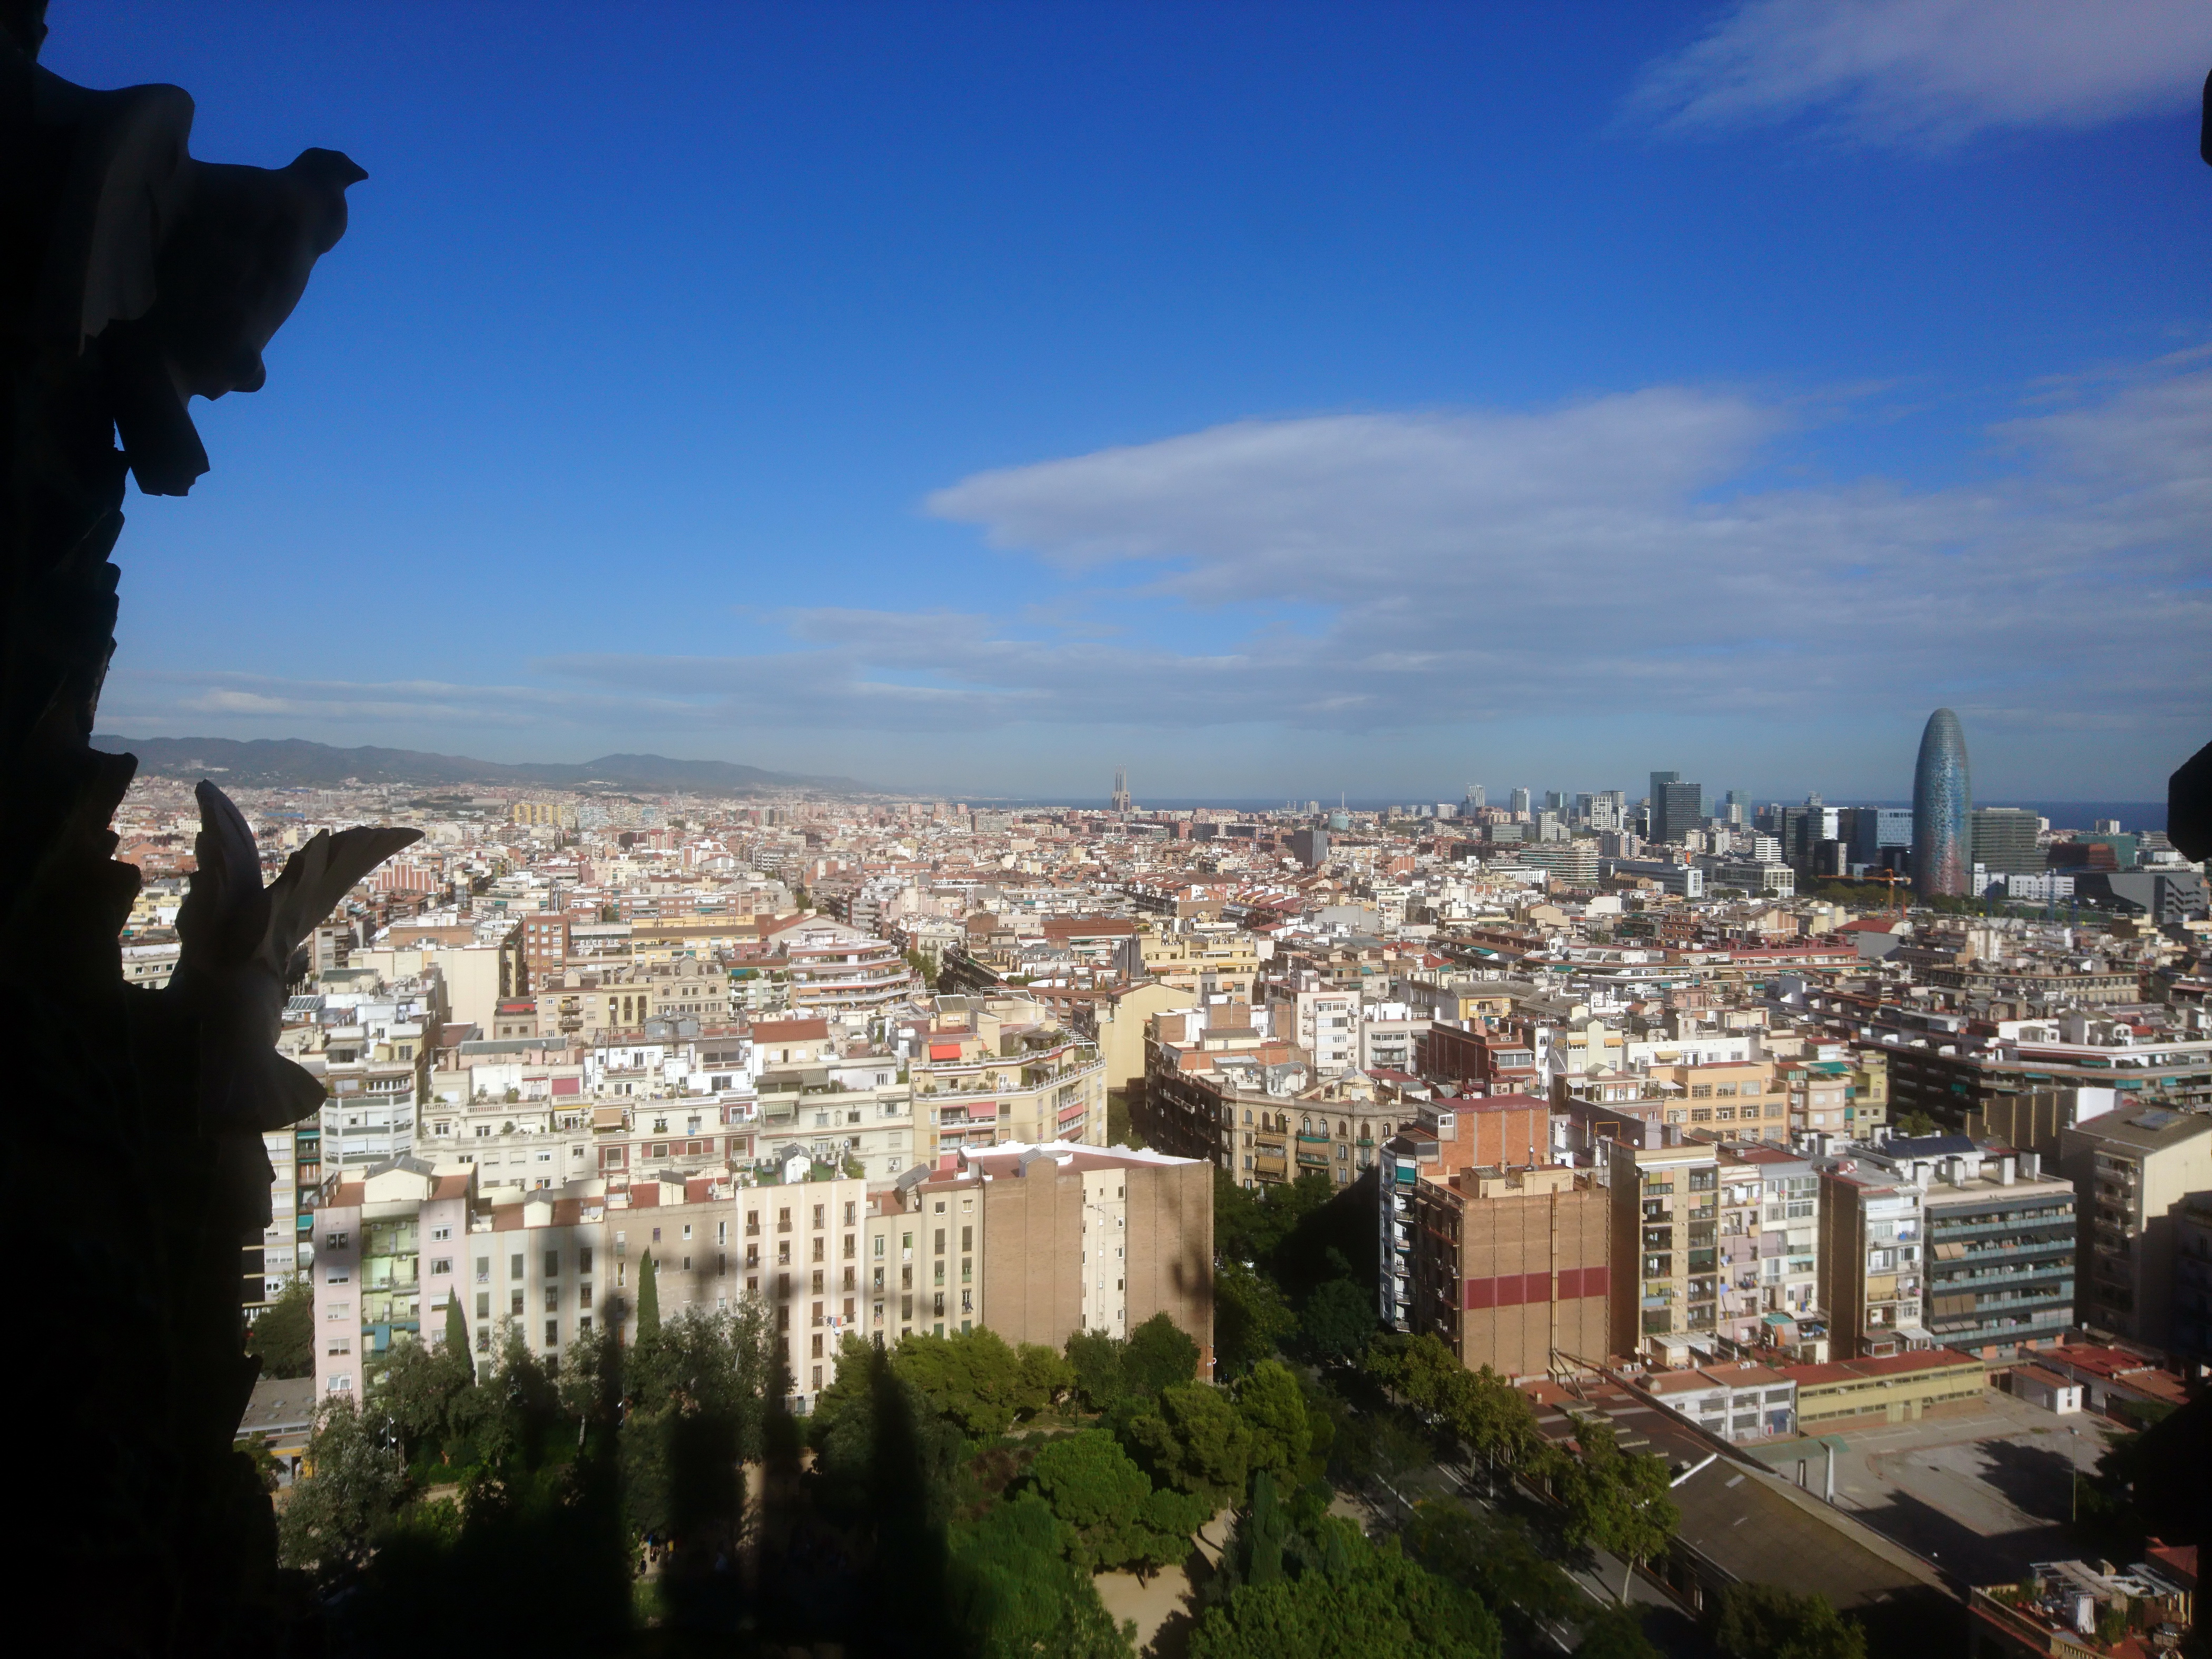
[(1338, 1321), (355, 1481), (1111, 1515), (648, 1297), (1192, 1439), (285, 1335), (1765, 1621), (974, 1379), (1616, 1633), (1250, 1319), (1017, 1594), (1273, 1408), (1359, 1601), (1160, 1351), (1491, 1417), (1617, 1500)]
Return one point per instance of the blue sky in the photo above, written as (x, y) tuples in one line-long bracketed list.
[(1276, 399)]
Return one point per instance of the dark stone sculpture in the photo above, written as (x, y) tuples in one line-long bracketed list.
[(135, 276)]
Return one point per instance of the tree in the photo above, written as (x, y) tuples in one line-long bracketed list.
[(1350, 1599), (457, 1329), (1273, 1408), (1616, 1633), (1100, 1363), (1160, 1351), (974, 1378), (421, 1395), (1338, 1321), (354, 1483), (1112, 1515), (1490, 1554), (1016, 1593), (1617, 1501), (1250, 1318), (648, 1297), (1765, 1621), (1917, 1123), (1192, 1439), (285, 1335)]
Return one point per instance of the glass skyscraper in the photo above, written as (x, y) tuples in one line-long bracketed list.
[(1942, 810)]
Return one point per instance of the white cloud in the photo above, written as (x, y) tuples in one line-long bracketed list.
[(1616, 561), (1930, 73), (1592, 557)]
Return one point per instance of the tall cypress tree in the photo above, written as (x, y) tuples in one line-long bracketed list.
[(457, 1329), (648, 1297)]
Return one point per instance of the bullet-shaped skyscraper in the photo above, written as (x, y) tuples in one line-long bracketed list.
[(1942, 810)]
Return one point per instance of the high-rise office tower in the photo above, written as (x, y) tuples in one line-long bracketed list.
[(1520, 800), (1677, 807), (1477, 799), (2004, 841), (1122, 790), (1942, 810)]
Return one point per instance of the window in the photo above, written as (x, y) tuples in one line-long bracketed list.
[(552, 1333), (440, 1234), (337, 1241), (336, 1276), (552, 1264), (656, 1234), (552, 1299), (515, 1303), (584, 1259), (687, 1232), (484, 1305), (442, 1264)]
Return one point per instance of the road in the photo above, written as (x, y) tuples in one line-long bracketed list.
[(1599, 1578)]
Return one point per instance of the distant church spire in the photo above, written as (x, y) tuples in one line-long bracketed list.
[(1121, 791)]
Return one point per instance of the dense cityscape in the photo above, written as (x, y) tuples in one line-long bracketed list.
[(1767, 1140), (942, 1140)]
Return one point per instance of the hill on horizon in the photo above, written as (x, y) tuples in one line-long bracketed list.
[(295, 762)]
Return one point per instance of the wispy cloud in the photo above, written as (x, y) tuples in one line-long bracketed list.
[(1606, 557), (1927, 74)]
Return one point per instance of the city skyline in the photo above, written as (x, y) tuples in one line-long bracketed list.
[(1271, 403)]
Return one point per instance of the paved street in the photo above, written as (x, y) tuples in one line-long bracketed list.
[(1670, 1630)]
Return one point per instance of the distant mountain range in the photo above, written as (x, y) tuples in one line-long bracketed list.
[(294, 762)]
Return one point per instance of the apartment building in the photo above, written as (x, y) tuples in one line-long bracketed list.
[(873, 1126), (1219, 1086), (806, 1237), (1789, 1238), (1215, 962), (1039, 1243), (1116, 1019), (1731, 1098), (840, 973), (2131, 1169), (1002, 1072), (1323, 1021), (1872, 1266), (1512, 1268), (394, 1247), (1665, 1204)]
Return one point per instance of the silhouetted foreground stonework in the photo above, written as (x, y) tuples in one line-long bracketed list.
[(135, 276)]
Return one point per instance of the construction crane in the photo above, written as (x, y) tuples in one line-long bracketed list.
[(1892, 880)]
